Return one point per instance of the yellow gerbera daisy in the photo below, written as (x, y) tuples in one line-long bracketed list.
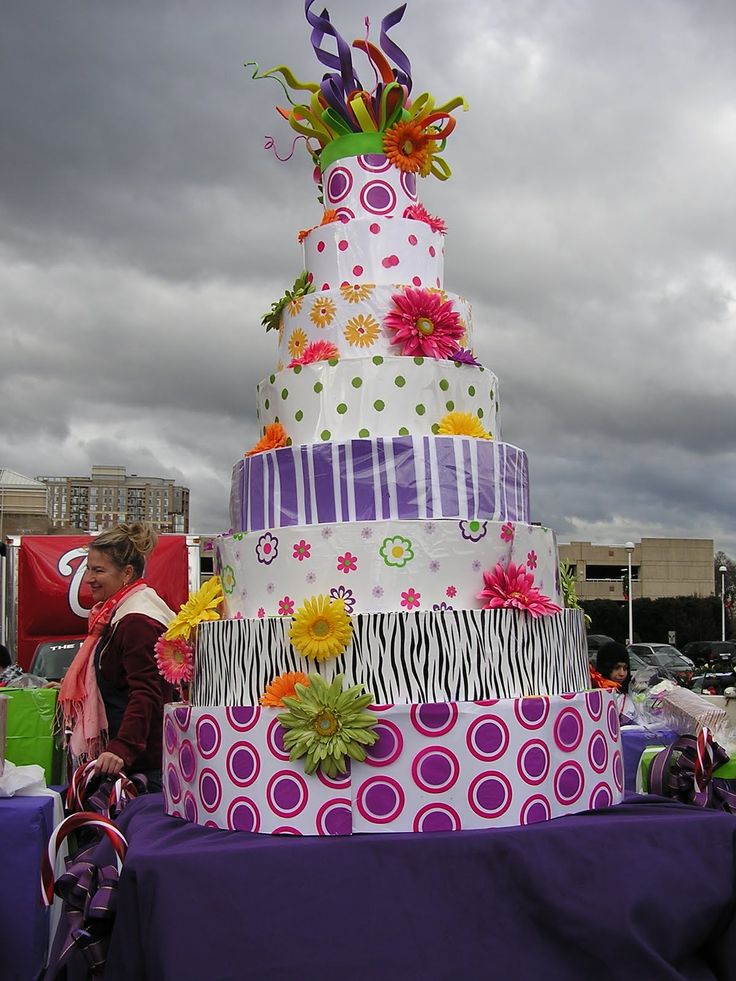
[(323, 311), (297, 342), (321, 629), (294, 305), (462, 424), (200, 606), (356, 292), (362, 331)]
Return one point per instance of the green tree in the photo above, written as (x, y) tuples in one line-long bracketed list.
[(690, 617), (730, 586)]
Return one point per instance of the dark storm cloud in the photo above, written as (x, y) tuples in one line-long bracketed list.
[(144, 230)]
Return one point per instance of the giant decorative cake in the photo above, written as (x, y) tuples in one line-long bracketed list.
[(393, 653)]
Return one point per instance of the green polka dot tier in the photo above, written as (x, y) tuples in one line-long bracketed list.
[(383, 396)]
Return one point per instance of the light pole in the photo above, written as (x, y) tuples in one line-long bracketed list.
[(630, 549), (723, 570)]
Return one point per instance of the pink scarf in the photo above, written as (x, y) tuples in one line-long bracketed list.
[(80, 701)]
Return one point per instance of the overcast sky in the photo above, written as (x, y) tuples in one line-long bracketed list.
[(591, 217)]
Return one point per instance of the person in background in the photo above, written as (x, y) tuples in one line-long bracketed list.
[(614, 671), (613, 664), (112, 696)]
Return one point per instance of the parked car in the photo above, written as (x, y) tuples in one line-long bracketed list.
[(704, 652), (668, 657), (635, 662), (713, 682), (52, 658)]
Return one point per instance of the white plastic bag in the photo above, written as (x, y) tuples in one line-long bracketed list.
[(22, 781)]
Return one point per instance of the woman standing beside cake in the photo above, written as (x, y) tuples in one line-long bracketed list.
[(112, 697)]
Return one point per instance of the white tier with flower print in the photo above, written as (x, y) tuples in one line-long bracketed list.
[(381, 566), (353, 320)]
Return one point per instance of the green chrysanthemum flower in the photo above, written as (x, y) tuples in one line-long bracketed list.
[(326, 724), (228, 579)]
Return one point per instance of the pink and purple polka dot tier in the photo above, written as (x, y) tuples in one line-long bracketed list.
[(434, 767)]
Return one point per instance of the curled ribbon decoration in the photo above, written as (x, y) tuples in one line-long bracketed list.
[(341, 108), (704, 759)]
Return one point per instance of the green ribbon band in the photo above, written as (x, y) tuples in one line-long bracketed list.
[(350, 145)]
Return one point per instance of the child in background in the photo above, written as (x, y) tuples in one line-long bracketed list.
[(612, 664)]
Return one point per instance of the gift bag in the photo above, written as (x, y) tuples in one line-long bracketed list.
[(30, 730)]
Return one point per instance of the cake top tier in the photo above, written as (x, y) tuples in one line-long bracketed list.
[(342, 118)]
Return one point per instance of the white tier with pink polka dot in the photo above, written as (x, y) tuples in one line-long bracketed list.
[(368, 186), (449, 766), (375, 396), (352, 318), (447, 655), (379, 566), (375, 250)]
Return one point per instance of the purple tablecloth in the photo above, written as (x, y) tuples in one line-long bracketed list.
[(25, 826), (642, 891)]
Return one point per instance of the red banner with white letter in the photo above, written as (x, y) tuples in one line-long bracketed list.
[(53, 601)]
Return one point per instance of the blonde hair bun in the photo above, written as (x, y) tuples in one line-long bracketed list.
[(142, 537), (127, 544)]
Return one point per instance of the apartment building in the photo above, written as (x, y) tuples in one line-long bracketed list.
[(111, 495)]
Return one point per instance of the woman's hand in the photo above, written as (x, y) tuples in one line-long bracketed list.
[(108, 765)]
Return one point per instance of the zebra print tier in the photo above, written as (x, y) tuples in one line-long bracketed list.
[(370, 479), (464, 655)]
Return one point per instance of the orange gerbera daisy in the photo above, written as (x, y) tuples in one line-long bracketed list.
[(327, 217), (407, 146), (283, 686), (273, 438)]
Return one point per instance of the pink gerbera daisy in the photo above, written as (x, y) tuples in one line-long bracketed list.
[(420, 213), (316, 351), (424, 324), (174, 659), (514, 587)]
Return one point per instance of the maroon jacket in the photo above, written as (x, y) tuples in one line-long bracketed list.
[(133, 691)]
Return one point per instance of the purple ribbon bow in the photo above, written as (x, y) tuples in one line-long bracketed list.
[(678, 772)]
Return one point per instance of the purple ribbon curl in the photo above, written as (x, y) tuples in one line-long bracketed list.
[(338, 84)]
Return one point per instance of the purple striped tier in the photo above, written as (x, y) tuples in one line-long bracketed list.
[(407, 478)]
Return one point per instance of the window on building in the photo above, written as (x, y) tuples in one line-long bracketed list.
[(601, 573)]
